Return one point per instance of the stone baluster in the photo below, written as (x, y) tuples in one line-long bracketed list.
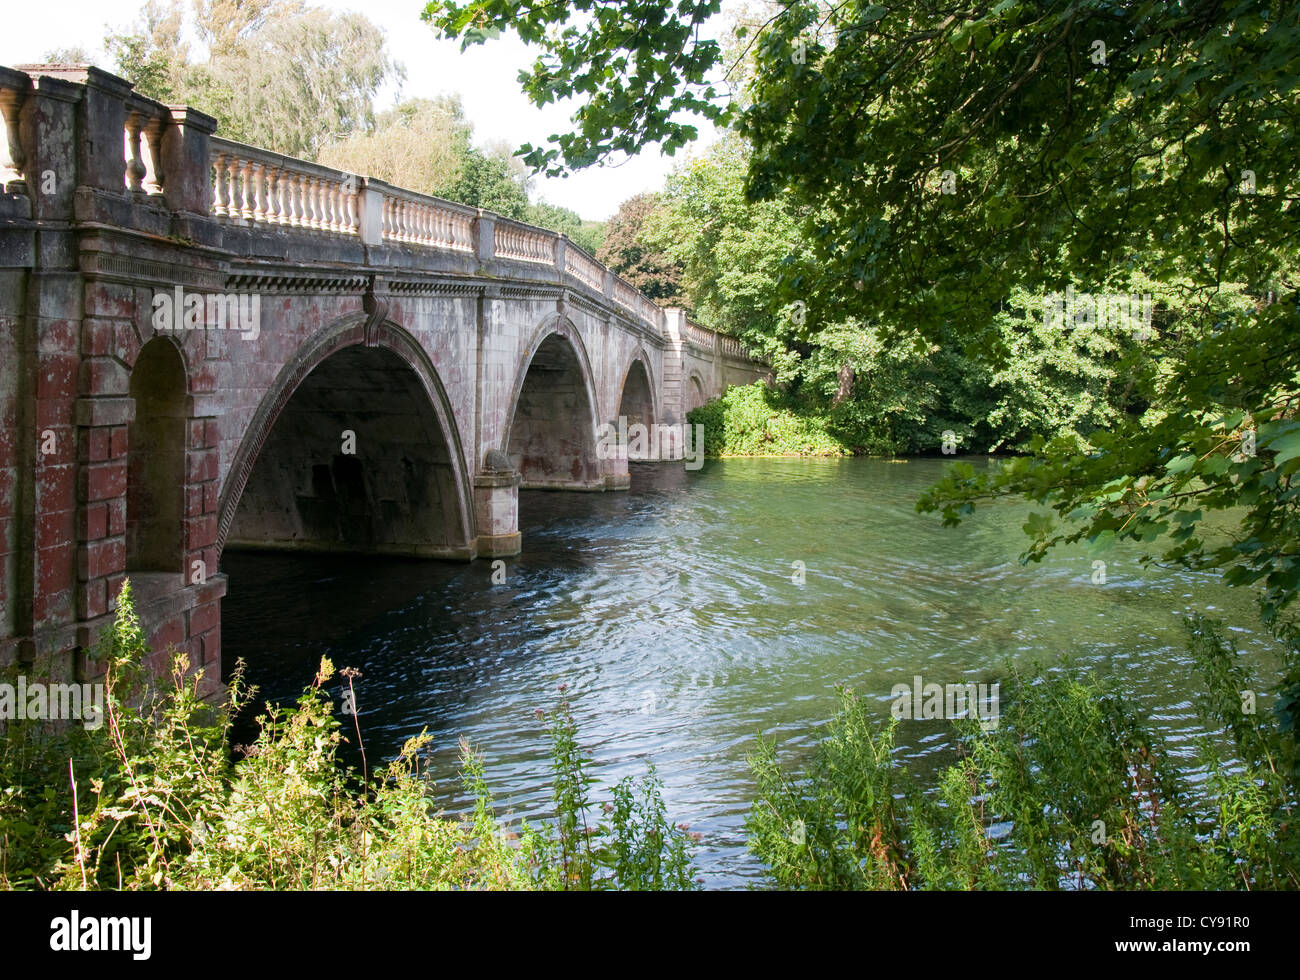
[(153, 134), (321, 202), (288, 202), (311, 207), (345, 209), (272, 194), (259, 200), (234, 192), (219, 189), (135, 169), (293, 192), (320, 217), (330, 218), (246, 195), (12, 158)]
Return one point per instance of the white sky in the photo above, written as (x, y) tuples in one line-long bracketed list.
[(484, 76)]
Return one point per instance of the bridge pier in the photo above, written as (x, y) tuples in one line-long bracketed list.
[(496, 508)]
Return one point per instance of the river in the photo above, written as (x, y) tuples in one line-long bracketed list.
[(672, 614)]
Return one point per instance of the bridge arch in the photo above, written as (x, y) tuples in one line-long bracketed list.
[(356, 393), (637, 388), (550, 430), (638, 404)]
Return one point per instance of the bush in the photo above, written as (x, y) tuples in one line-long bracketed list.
[(755, 420), (1070, 791)]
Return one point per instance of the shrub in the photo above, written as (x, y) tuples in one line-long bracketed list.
[(1070, 791), (756, 420)]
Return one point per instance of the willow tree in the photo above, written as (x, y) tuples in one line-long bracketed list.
[(275, 73)]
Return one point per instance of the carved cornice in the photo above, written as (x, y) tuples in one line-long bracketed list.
[(136, 270), (296, 283)]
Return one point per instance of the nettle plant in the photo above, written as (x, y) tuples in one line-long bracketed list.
[(156, 798)]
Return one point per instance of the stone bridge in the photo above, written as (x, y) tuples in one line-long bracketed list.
[(204, 344)]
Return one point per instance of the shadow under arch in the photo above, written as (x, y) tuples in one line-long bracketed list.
[(550, 431), (643, 396), (638, 414), (403, 489)]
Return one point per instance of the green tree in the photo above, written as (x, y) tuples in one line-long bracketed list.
[(879, 391), (587, 235), (487, 180), (275, 73), (630, 252), (639, 65)]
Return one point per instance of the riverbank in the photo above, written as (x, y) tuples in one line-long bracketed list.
[(1064, 785)]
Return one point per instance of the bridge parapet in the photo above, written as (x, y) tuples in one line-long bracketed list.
[(173, 163)]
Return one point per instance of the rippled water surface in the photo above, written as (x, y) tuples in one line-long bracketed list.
[(670, 613)]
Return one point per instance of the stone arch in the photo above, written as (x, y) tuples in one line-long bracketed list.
[(377, 382), (550, 430), (640, 358), (639, 406), (156, 444)]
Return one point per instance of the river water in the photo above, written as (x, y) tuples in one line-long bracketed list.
[(672, 614)]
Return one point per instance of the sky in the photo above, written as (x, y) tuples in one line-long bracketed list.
[(484, 76)]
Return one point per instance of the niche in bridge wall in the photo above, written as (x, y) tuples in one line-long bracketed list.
[(552, 440), (155, 470), (637, 406), (695, 396), (394, 494)]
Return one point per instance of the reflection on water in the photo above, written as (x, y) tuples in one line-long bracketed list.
[(672, 614)]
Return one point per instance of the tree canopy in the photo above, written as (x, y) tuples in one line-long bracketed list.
[(948, 164), (629, 251), (275, 73)]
